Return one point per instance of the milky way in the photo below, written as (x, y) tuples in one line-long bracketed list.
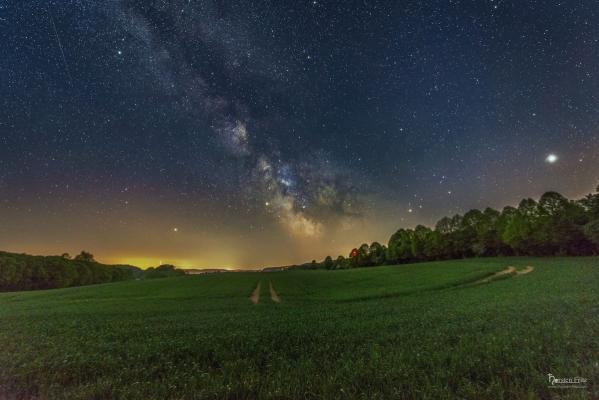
[(174, 38), (278, 132)]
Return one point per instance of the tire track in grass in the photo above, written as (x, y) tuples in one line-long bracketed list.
[(273, 295), (525, 271), (507, 271), (255, 296)]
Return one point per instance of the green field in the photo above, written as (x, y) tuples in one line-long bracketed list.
[(415, 331)]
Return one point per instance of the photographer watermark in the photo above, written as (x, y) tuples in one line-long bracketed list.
[(577, 382)]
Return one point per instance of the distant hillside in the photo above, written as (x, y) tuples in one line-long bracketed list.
[(27, 272), (201, 271), (163, 271)]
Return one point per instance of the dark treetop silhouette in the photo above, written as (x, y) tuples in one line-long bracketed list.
[(552, 226)]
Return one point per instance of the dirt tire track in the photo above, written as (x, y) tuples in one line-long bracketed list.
[(507, 271), (273, 295), (526, 270), (255, 296)]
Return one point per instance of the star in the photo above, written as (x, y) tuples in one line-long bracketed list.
[(551, 158), (175, 229)]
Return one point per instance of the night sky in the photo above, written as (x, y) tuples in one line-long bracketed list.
[(241, 134)]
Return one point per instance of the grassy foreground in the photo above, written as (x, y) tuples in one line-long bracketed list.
[(414, 331)]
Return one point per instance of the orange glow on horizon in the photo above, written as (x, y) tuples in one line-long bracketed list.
[(147, 262)]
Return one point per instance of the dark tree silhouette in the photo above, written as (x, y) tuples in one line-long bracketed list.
[(85, 256), (25, 272), (552, 226)]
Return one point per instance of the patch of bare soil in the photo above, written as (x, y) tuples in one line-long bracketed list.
[(525, 271), (255, 297), (273, 295)]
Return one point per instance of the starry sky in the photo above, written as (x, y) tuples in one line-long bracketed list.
[(243, 134)]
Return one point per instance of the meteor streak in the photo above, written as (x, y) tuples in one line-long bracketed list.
[(64, 59)]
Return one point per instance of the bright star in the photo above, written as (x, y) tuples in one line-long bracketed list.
[(286, 182), (175, 229), (551, 158)]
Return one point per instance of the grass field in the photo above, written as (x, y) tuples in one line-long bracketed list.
[(414, 331)]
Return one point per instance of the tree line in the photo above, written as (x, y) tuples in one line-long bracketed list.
[(26, 272), (552, 226), (163, 271)]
